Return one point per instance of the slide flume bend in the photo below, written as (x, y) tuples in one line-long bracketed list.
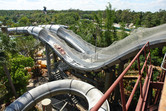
[(83, 56), (47, 90)]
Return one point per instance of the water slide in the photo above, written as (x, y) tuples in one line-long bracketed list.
[(81, 55), (66, 86), (74, 40), (79, 44)]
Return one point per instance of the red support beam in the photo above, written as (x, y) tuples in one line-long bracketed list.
[(119, 80), (132, 93), (140, 76), (156, 85), (122, 95), (149, 52), (142, 100), (146, 88)]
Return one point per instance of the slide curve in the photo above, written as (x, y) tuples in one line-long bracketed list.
[(83, 58), (47, 90)]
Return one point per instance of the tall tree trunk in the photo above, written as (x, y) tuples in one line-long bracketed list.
[(10, 80)]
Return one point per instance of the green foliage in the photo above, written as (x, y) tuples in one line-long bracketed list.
[(156, 56), (156, 74), (87, 24), (15, 64), (21, 60), (2, 20), (27, 47), (24, 21), (99, 33), (110, 16), (87, 16), (66, 18), (20, 79), (86, 29), (123, 34), (3, 80), (10, 23), (164, 50), (18, 74), (7, 45), (147, 19)]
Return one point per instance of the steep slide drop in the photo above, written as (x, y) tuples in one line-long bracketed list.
[(87, 60), (103, 58), (79, 88), (153, 34), (74, 40)]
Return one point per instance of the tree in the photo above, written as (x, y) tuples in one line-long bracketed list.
[(12, 67), (147, 19), (9, 23), (19, 74), (5, 49), (27, 47), (126, 16), (109, 28), (2, 19), (118, 16), (24, 21), (123, 33), (67, 18), (5, 71), (100, 38)]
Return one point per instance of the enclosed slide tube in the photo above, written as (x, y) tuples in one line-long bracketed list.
[(47, 90)]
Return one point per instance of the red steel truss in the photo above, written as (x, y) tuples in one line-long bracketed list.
[(144, 89)]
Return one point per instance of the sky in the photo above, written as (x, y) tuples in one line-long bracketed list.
[(136, 5)]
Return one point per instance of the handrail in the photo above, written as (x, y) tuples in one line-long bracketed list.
[(163, 64), (120, 80)]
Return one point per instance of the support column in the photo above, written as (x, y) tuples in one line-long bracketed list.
[(48, 61), (55, 57), (109, 78), (117, 89), (46, 104)]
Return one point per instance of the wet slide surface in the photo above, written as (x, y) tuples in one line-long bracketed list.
[(81, 55)]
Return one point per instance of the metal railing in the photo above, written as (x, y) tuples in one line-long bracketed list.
[(119, 80), (163, 64), (161, 80)]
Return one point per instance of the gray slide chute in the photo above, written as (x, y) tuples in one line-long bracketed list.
[(85, 61), (26, 30), (104, 57), (74, 40), (140, 35), (47, 90)]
